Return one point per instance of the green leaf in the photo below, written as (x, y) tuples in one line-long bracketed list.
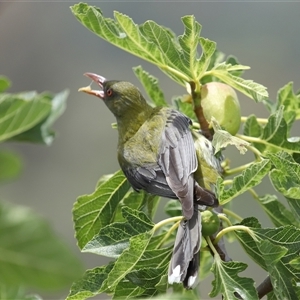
[(287, 237), (91, 284), (283, 280), (173, 208), (114, 238), (129, 258), (141, 200), (31, 255), (28, 116), (175, 56), (273, 136), (150, 84), (248, 243), (276, 211), (289, 100), (125, 34), (128, 290), (295, 263), (42, 132), (16, 293), (19, 113), (223, 71), (4, 83), (249, 178), (208, 49), (185, 106), (93, 212), (222, 139), (286, 175), (145, 278), (295, 208), (11, 165), (189, 42), (228, 283)]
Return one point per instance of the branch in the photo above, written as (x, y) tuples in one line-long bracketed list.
[(264, 288), (205, 130)]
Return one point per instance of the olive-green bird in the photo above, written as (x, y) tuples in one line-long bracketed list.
[(159, 154)]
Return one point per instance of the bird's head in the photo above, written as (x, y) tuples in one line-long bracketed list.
[(121, 97)]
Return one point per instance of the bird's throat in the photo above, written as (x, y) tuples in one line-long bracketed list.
[(131, 122)]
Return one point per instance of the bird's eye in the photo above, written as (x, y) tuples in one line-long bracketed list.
[(109, 92)]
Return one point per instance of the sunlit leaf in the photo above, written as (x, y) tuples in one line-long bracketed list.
[(93, 212), (229, 284), (286, 175), (249, 178), (273, 136), (276, 211), (251, 89), (151, 86), (114, 238)]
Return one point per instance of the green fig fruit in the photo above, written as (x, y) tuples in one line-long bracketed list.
[(210, 223), (220, 101)]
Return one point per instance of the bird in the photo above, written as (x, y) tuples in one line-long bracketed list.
[(159, 153)]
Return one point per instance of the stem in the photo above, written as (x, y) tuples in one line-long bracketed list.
[(264, 288), (252, 139), (233, 228), (211, 246), (196, 96), (254, 194), (232, 214), (174, 226), (166, 221), (256, 152), (237, 170), (259, 120), (227, 182), (175, 72), (224, 218)]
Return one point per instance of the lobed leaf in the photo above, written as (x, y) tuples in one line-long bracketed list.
[(286, 175), (289, 100), (277, 246), (114, 238), (129, 258), (276, 211), (273, 136), (222, 139), (295, 208), (229, 284), (92, 283), (249, 178), (150, 84), (251, 89), (95, 211), (284, 281)]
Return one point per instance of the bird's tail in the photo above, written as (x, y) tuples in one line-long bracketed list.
[(185, 260)]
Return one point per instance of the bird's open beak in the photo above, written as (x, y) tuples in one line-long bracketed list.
[(99, 80)]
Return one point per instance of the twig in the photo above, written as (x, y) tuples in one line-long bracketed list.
[(264, 288)]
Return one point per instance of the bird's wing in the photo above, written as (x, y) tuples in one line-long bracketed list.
[(177, 159)]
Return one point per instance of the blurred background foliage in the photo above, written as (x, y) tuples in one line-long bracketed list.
[(43, 47)]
